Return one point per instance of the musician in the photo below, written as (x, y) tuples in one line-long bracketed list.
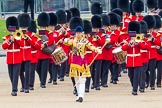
[(151, 22), (124, 5), (14, 56), (47, 41), (138, 8), (98, 41), (89, 54), (53, 67), (144, 55), (133, 58), (24, 23), (35, 46), (62, 19), (79, 67)]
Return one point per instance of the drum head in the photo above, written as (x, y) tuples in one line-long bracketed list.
[(117, 50)]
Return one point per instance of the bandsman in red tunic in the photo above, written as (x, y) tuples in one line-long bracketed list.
[(14, 55)]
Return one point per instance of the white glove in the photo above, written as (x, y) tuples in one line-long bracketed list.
[(99, 51), (66, 40)]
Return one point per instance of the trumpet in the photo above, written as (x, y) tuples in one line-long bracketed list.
[(139, 38), (18, 35)]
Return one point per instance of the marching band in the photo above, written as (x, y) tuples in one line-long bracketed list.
[(65, 44)]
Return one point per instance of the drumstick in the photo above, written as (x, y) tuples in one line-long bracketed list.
[(97, 54)]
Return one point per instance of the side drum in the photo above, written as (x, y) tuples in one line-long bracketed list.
[(59, 55), (119, 55)]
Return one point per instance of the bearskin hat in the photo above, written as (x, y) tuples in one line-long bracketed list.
[(124, 5), (138, 6), (114, 18), (12, 22), (96, 8), (33, 27), (43, 19), (87, 26), (158, 21), (152, 3), (61, 15), (24, 20), (144, 26), (105, 20), (113, 4), (150, 20), (75, 21), (160, 4), (68, 15), (119, 12), (53, 19), (75, 12), (96, 21), (134, 26)]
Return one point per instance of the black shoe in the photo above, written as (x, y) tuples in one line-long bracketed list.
[(50, 80), (54, 83), (134, 93), (111, 81), (142, 90), (87, 90), (31, 88), (119, 75), (147, 85), (14, 93), (105, 85), (159, 86), (22, 90), (98, 88), (67, 75), (43, 86), (26, 91), (61, 79), (92, 87), (124, 70), (75, 92), (80, 99), (115, 82), (152, 88)]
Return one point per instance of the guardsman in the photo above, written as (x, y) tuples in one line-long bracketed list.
[(144, 55), (138, 8), (62, 19), (35, 46), (12, 44), (151, 22), (47, 41), (124, 5), (133, 58), (53, 68), (89, 54), (24, 23), (152, 7), (98, 41)]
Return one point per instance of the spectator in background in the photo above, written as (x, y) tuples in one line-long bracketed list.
[(31, 4), (48, 5)]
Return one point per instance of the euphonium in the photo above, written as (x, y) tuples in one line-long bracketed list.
[(18, 35)]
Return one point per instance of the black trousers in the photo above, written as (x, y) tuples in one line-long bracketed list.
[(96, 73), (159, 72), (53, 70), (28, 3), (143, 75), (88, 79), (32, 74), (24, 74), (42, 69), (63, 69), (105, 70), (134, 76), (13, 71), (152, 66), (116, 70)]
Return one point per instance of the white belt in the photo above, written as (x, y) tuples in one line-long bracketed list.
[(133, 55), (33, 52), (99, 47), (88, 52), (153, 46), (143, 51), (26, 47), (14, 50)]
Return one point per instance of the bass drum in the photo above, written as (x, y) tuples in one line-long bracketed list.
[(119, 55)]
